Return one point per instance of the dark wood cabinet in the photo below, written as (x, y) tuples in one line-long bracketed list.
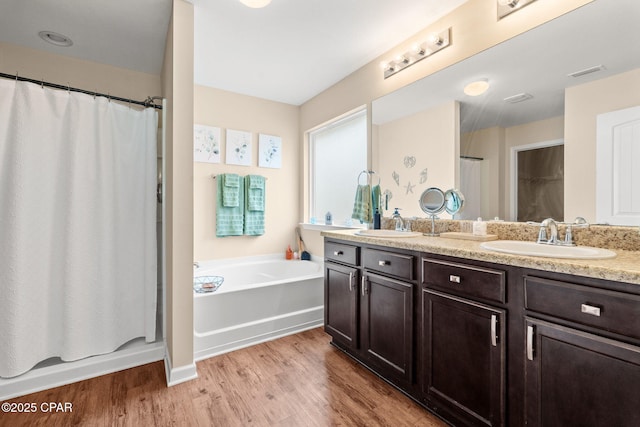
[(386, 325), (575, 378), (341, 303), (463, 358), (483, 344)]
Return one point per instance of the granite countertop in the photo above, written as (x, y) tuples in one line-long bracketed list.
[(625, 267)]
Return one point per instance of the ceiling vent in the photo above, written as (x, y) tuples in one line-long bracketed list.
[(586, 71), (518, 98)]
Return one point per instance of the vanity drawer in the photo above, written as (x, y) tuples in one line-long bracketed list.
[(342, 253), (391, 263), (612, 311), (464, 279)]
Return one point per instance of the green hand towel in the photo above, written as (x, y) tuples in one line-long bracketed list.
[(229, 220), (375, 199), (230, 190), (254, 197), (362, 204), (255, 192)]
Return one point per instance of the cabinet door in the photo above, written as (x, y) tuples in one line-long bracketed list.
[(463, 358), (573, 378), (341, 304), (387, 325)]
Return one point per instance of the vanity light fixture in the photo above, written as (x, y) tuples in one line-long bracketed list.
[(505, 7), (476, 88), (255, 4), (434, 43)]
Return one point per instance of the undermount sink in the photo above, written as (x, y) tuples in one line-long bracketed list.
[(387, 233), (549, 251)]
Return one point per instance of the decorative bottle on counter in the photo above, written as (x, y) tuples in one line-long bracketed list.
[(479, 227)]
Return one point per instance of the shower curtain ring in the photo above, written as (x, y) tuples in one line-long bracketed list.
[(16, 76), (42, 84), (68, 88)]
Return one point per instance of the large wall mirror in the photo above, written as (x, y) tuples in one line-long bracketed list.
[(525, 149)]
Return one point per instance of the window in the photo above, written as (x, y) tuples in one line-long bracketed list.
[(338, 153)]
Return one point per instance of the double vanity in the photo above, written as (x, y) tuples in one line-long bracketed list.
[(483, 337)]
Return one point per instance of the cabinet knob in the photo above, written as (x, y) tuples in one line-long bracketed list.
[(337, 253), (454, 279), (590, 309)]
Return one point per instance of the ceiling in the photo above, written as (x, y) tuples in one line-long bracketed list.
[(289, 51)]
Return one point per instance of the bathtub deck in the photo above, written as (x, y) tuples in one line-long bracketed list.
[(298, 380)]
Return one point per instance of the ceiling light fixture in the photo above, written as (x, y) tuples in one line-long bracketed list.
[(255, 4), (55, 38), (476, 88), (434, 43), (505, 7)]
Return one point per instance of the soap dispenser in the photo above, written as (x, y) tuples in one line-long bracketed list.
[(328, 218), (376, 220)]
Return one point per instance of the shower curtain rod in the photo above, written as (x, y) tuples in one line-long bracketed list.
[(146, 103), (471, 158)]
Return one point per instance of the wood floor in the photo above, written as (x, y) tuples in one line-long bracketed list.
[(299, 380)]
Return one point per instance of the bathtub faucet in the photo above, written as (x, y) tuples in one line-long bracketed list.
[(196, 265)]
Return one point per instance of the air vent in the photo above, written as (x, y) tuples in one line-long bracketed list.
[(586, 71), (518, 98)]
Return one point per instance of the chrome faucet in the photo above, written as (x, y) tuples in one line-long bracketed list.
[(553, 232), (196, 264), (552, 225), (398, 219)]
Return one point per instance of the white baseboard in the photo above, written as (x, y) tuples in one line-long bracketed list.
[(252, 333), (180, 374), (69, 372)]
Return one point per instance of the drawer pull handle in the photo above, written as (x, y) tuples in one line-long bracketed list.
[(590, 309), (383, 263), (494, 330), (454, 279), (364, 285), (350, 281), (530, 332), (338, 253)]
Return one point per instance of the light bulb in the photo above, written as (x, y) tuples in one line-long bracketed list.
[(510, 3), (435, 39), (417, 49)]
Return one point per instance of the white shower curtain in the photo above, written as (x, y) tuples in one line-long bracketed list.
[(471, 188), (78, 273)]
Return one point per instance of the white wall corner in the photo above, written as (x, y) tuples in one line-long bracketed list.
[(178, 375)]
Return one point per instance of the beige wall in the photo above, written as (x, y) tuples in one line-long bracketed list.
[(177, 87), (582, 105), (430, 137), (81, 74), (228, 110)]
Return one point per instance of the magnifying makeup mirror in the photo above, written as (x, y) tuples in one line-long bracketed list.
[(432, 202), (453, 202)]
